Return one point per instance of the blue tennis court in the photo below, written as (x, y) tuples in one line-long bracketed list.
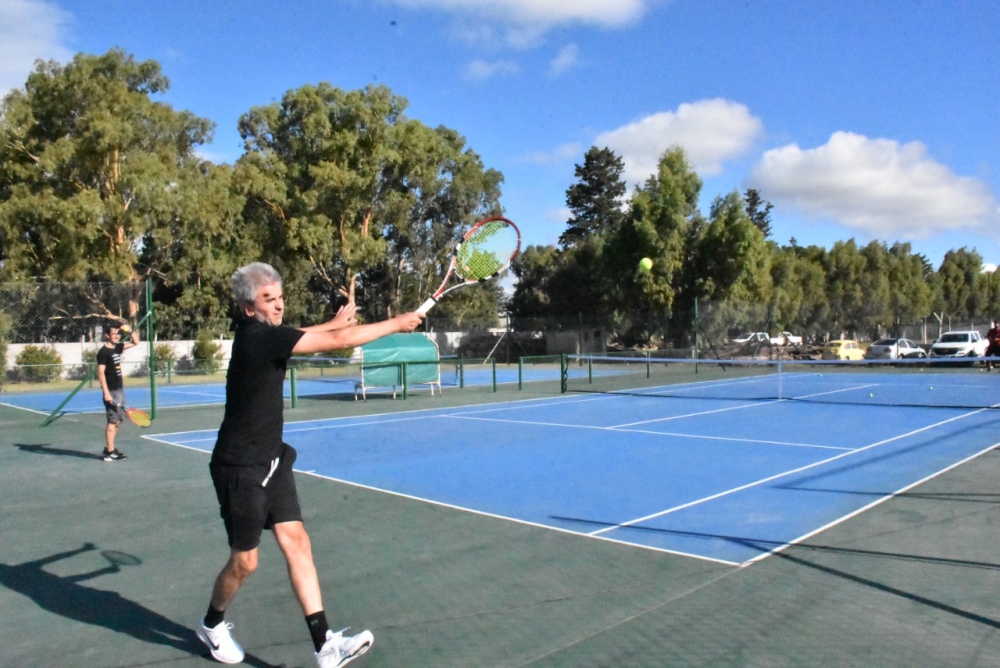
[(177, 395), (722, 480)]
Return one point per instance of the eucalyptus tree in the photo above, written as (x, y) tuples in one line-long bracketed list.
[(96, 173), (656, 226), (344, 192), (957, 287)]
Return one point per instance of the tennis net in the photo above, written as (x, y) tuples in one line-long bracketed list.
[(927, 383)]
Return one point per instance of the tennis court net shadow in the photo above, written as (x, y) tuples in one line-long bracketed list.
[(792, 554)]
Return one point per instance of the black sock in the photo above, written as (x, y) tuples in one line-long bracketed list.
[(214, 617), (318, 628)]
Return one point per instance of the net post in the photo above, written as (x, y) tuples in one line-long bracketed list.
[(781, 393), (649, 370), (461, 374), (520, 374), (403, 368), (494, 363), (292, 389), (563, 372), (590, 370)]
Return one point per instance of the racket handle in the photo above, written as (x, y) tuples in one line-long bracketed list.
[(426, 306)]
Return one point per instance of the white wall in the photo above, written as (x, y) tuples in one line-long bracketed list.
[(72, 354)]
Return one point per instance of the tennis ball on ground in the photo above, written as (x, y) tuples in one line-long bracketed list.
[(645, 264)]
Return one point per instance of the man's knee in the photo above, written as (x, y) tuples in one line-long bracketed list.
[(293, 538), (243, 564)]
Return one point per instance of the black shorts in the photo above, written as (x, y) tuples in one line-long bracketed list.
[(248, 506)]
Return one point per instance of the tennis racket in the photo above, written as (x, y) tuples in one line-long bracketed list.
[(484, 252), (138, 417)]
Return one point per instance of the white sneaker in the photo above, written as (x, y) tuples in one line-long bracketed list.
[(220, 642), (339, 650)]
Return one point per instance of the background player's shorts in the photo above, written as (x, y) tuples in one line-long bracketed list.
[(248, 506), (115, 413)]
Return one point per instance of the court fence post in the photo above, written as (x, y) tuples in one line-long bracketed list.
[(151, 340)]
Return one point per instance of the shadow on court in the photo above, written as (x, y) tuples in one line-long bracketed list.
[(67, 597), (48, 449)]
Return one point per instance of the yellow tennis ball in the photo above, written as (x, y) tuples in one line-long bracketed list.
[(645, 264)]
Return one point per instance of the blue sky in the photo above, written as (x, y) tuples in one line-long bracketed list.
[(864, 119)]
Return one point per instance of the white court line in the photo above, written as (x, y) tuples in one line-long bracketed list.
[(768, 479), (756, 404), (646, 431), (516, 520)]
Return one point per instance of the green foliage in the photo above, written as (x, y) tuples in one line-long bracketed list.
[(6, 322), (39, 364), (595, 201), (165, 357), (206, 354)]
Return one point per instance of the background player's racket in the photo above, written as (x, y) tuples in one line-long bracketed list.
[(138, 417), (484, 253)]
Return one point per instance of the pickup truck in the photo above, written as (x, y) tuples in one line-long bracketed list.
[(786, 339)]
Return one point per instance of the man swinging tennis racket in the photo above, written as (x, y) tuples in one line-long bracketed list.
[(252, 468)]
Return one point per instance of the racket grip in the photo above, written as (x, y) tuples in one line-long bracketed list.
[(426, 306)]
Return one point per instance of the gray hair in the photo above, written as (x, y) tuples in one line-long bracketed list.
[(248, 280)]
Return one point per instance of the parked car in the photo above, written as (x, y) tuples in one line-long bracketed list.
[(842, 349), (960, 344), (752, 337), (894, 349), (786, 339)]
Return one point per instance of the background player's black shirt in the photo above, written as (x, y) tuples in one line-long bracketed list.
[(111, 359)]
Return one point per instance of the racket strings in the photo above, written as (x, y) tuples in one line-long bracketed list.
[(486, 251)]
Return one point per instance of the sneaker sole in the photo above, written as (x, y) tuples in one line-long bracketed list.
[(211, 648), (364, 648)]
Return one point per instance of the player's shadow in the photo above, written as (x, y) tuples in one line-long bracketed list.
[(46, 449), (67, 597)]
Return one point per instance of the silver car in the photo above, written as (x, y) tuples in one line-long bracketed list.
[(894, 349)]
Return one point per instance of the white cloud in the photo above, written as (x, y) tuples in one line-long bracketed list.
[(564, 60), (480, 70), (544, 13), (877, 186), (711, 132), (524, 22), (30, 30)]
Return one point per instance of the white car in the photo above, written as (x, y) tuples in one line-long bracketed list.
[(894, 349), (960, 344), (786, 339), (752, 337)]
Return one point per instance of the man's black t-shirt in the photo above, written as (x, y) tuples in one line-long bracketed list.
[(252, 425), (111, 359)]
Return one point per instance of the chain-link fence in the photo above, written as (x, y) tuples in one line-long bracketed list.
[(51, 330), (45, 313)]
